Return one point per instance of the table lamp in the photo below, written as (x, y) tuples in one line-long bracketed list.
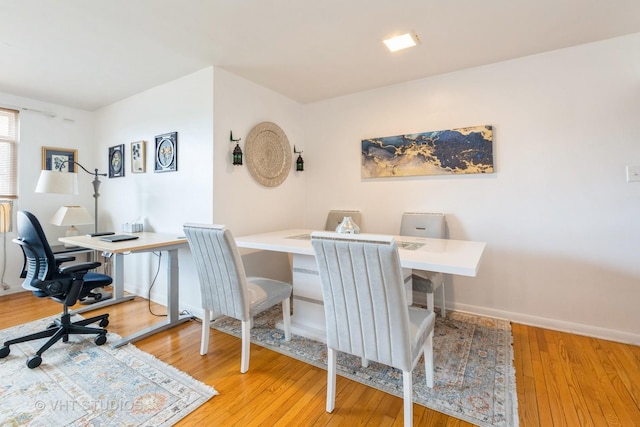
[(71, 216)]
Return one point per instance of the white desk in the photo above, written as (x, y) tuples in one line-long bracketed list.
[(441, 255), (147, 242)]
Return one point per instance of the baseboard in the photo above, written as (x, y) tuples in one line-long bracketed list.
[(12, 290), (553, 324)]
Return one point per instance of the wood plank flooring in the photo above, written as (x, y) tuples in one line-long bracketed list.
[(562, 379)]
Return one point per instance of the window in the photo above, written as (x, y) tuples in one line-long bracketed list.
[(8, 156)]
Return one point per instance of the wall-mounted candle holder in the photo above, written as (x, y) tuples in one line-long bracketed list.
[(237, 151), (299, 160)]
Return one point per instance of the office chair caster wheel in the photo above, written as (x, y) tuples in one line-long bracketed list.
[(34, 361), (4, 351), (100, 339), (103, 323)]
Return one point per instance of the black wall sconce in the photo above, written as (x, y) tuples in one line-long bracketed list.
[(299, 161), (237, 152)]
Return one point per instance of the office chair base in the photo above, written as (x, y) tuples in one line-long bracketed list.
[(60, 330)]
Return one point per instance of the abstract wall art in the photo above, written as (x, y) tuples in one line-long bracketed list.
[(456, 151)]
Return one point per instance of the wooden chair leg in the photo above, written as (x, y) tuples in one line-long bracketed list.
[(407, 391), (206, 328), (246, 346), (331, 379)]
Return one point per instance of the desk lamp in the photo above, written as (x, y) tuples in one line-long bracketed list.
[(67, 183), (71, 216)]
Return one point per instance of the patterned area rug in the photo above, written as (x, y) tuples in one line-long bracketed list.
[(81, 384), (473, 359)]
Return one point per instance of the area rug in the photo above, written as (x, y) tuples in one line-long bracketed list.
[(473, 360), (81, 384)]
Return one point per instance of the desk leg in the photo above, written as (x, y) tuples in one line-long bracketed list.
[(173, 303), (118, 288), (173, 294)]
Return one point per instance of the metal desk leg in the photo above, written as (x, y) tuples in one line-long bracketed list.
[(173, 304)]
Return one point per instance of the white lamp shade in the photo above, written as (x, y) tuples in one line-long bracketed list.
[(71, 215), (57, 182)]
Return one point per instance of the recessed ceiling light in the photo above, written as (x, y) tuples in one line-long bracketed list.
[(401, 42)]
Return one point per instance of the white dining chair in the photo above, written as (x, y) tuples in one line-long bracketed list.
[(431, 225), (226, 290), (335, 217), (366, 309)]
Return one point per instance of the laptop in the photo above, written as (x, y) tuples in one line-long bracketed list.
[(118, 238)]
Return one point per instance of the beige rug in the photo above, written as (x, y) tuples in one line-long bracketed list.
[(473, 360), (81, 384)]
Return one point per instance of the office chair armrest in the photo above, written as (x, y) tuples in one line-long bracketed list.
[(81, 266), (63, 259)]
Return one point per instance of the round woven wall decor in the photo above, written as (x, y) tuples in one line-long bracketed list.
[(268, 154)]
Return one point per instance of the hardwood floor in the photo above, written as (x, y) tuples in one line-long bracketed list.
[(562, 379)]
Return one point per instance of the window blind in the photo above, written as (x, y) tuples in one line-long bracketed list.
[(8, 153)]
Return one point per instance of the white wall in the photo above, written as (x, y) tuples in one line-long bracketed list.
[(165, 201), (45, 124), (559, 218), (240, 202)]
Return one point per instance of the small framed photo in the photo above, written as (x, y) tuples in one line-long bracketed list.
[(116, 161), (138, 157), (60, 159), (166, 155)]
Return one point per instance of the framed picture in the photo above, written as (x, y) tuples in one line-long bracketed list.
[(116, 161), (166, 155), (61, 159), (466, 150), (138, 157)]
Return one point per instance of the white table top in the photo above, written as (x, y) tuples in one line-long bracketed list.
[(441, 255), (146, 241)]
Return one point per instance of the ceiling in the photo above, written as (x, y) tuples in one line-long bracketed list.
[(88, 54)]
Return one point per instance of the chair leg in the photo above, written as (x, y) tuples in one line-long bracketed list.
[(331, 379), (31, 337), (443, 310), (430, 302), (246, 346), (206, 328), (407, 388), (428, 360), (60, 334), (103, 318), (286, 318)]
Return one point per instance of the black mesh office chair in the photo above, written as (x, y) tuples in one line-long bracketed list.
[(47, 279)]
